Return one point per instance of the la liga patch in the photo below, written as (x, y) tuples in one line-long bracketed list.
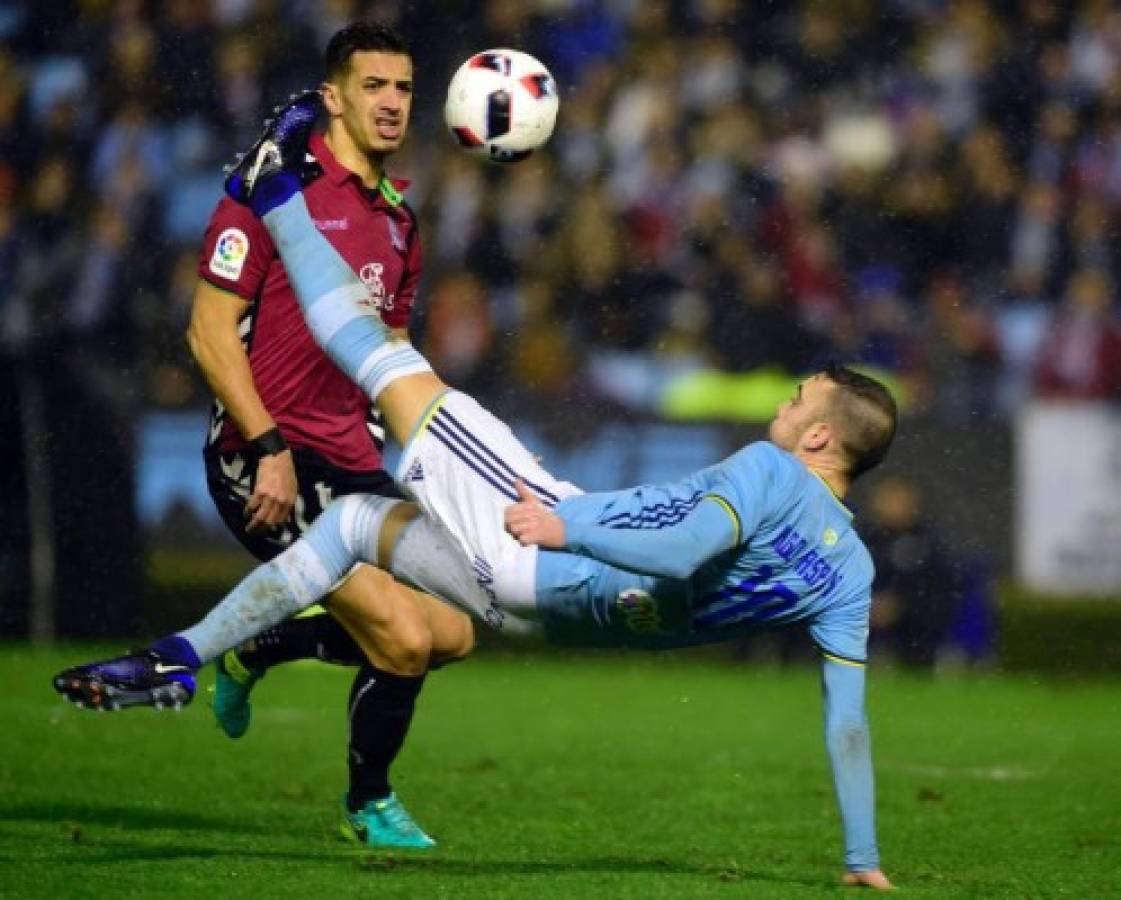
[(230, 253)]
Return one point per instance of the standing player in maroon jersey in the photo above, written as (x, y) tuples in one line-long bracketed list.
[(289, 431)]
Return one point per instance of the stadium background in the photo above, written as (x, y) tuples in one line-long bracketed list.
[(735, 193)]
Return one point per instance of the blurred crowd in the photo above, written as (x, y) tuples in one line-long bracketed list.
[(932, 187)]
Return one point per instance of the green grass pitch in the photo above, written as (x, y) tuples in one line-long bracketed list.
[(645, 776)]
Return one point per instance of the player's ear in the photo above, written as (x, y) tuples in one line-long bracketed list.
[(817, 437), (331, 99)]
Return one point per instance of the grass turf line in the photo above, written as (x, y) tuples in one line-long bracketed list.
[(645, 776)]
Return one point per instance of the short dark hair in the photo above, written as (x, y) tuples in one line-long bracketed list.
[(356, 37), (867, 417)]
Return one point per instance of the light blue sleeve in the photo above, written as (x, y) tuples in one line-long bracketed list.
[(843, 632), (675, 551), (850, 753), (749, 480)]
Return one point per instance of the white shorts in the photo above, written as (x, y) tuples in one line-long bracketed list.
[(460, 466)]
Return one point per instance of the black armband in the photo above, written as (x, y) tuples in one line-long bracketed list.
[(269, 443)]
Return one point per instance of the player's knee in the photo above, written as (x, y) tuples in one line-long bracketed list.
[(406, 648), (389, 621), (455, 642), (415, 647)]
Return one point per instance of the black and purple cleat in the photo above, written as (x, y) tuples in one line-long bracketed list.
[(281, 149), (143, 678)]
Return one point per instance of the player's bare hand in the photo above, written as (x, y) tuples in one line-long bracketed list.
[(531, 522), (274, 493), (874, 879)]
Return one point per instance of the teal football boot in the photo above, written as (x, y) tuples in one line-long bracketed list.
[(232, 686), (384, 823)]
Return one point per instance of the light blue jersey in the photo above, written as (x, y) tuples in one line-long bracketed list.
[(757, 541), (754, 542)]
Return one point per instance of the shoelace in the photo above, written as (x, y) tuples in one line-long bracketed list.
[(398, 818)]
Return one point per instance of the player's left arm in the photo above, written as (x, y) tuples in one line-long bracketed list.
[(674, 551), (848, 741)]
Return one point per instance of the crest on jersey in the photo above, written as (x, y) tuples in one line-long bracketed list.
[(375, 287), (639, 611), (230, 252)]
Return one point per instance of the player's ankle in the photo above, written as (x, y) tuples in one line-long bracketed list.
[(273, 191), (178, 650)]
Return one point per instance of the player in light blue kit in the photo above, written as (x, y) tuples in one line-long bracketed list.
[(760, 540)]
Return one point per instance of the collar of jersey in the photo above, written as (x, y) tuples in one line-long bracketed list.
[(338, 174), (841, 503)]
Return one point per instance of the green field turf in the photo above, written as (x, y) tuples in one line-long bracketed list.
[(604, 777)]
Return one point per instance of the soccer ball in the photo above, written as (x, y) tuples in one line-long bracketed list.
[(502, 105)]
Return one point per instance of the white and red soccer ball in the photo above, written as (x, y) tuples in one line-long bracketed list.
[(502, 105)]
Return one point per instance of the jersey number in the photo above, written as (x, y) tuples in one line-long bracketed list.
[(753, 598)]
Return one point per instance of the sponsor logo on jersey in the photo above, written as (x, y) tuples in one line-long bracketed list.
[(332, 224), (484, 577), (416, 472), (810, 565), (230, 253), (375, 287), (639, 611), (829, 538)]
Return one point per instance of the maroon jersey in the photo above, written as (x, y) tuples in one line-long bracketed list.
[(314, 404)]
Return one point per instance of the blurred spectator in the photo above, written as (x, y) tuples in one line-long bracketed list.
[(915, 593), (1081, 356), (285, 47), (186, 76), (752, 325), (127, 70), (960, 353), (586, 258), (242, 93), (989, 182), (884, 320), (1036, 236), (544, 356), (17, 153), (458, 335)]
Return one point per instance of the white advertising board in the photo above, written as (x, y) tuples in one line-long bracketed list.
[(1068, 498)]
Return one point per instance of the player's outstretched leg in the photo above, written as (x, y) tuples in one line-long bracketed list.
[(143, 678), (304, 573)]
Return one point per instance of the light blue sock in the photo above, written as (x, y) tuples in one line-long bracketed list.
[(345, 533), (267, 596), (336, 304)]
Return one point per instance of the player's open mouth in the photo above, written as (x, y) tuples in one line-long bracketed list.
[(388, 129)]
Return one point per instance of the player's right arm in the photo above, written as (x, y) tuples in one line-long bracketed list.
[(675, 551), (725, 509), (217, 348), (850, 754), (235, 258)]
